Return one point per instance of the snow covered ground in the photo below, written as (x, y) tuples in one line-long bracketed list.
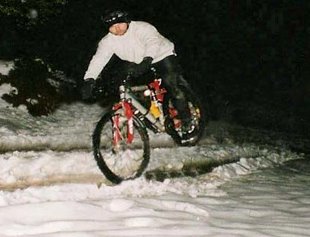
[(50, 184)]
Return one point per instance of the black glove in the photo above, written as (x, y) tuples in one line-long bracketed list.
[(137, 70), (88, 88)]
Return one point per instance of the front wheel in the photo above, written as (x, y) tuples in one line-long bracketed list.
[(118, 157)]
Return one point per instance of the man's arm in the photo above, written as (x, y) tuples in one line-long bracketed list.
[(99, 60)]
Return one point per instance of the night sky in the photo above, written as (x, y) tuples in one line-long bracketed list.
[(247, 60)]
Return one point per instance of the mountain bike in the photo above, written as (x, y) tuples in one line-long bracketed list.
[(120, 140)]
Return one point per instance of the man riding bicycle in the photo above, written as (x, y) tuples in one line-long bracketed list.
[(139, 43)]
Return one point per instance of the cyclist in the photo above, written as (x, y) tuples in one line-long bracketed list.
[(139, 43)]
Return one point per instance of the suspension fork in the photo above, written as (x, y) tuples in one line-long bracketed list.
[(117, 123), (126, 107)]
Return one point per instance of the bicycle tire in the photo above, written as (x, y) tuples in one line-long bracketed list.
[(194, 137), (109, 162)]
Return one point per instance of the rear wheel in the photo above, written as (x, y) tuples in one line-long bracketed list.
[(198, 119), (121, 160)]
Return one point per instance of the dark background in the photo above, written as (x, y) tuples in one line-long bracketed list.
[(248, 60)]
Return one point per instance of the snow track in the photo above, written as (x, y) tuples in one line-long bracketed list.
[(22, 169)]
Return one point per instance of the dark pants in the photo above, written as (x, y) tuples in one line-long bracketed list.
[(170, 72)]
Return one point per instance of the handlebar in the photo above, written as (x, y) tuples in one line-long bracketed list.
[(129, 76), (133, 88), (138, 88)]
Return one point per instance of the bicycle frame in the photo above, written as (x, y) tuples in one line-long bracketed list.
[(131, 106)]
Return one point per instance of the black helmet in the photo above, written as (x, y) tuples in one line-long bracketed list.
[(115, 17)]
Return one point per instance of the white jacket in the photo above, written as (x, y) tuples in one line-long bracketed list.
[(140, 40)]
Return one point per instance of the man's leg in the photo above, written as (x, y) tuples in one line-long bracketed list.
[(170, 72)]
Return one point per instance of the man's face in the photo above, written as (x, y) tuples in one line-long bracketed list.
[(118, 28)]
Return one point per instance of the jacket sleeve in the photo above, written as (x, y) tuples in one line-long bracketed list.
[(99, 60)]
